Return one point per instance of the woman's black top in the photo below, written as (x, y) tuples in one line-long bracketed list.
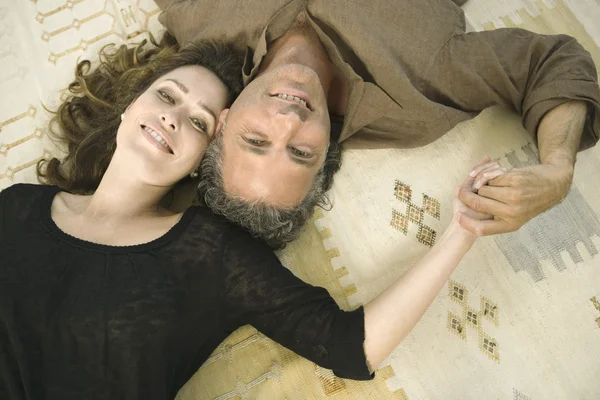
[(80, 320)]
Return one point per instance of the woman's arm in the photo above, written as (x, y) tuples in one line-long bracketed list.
[(392, 315)]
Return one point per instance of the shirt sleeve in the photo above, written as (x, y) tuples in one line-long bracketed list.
[(258, 290), (2, 212), (528, 72), (184, 19), (163, 4)]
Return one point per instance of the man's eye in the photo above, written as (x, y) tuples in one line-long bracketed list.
[(254, 142), (199, 124), (166, 96), (300, 153)]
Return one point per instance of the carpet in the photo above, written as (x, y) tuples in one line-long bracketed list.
[(518, 320)]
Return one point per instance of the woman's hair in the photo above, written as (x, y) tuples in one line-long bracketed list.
[(88, 120)]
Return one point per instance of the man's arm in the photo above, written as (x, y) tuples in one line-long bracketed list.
[(527, 72), (560, 132), (552, 82)]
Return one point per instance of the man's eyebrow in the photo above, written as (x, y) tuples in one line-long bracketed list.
[(299, 161), (253, 149), (185, 90), (261, 152)]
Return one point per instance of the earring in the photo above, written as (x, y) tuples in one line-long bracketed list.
[(194, 175), (122, 116)]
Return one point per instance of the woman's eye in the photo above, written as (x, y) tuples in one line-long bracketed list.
[(300, 153), (254, 142), (199, 124), (166, 96)]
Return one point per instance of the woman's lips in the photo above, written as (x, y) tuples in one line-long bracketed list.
[(157, 138)]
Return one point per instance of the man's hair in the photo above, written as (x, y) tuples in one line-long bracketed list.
[(87, 121), (277, 226)]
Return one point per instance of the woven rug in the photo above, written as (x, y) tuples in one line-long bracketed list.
[(518, 320)]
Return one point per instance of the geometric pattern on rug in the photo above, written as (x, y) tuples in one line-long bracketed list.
[(457, 323), (547, 17), (415, 214), (121, 20), (122, 13), (330, 383), (225, 351), (332, 253), (519, 396), (596, 304), (539, 239), (242, 389)]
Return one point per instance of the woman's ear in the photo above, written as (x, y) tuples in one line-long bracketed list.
[(221, 123)]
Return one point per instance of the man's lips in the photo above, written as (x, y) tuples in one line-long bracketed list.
[(158, 138), (294, 96)]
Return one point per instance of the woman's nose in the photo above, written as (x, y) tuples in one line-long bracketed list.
[(169, 121)]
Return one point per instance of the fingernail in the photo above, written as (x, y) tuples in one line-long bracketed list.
[(472, 174)]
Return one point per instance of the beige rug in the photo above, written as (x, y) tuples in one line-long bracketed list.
[(520, 318)]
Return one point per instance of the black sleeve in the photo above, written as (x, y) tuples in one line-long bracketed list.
[(2, 212), (258, 290)]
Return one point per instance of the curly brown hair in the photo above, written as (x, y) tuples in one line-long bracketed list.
[(88, 120), (277, 226)]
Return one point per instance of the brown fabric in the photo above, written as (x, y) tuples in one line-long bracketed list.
[(413, 71)]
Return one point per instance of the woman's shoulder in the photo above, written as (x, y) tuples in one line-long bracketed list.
[(21, 201), (25, 192)]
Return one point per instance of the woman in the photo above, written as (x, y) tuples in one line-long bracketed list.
[(106, 295)]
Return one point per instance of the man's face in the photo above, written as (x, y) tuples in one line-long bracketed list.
[(274, 146)]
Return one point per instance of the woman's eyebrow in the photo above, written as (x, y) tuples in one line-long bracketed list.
[(185, 89), (208, 110), (180, 85)]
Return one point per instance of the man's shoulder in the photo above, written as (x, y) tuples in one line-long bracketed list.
[(236, 22), (422, 19)]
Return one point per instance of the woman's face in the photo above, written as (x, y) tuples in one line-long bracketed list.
[(165, 131)]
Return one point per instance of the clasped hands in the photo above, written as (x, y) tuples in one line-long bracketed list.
[(494, 200)]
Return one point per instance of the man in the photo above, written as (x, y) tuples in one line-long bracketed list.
[(383, 73)]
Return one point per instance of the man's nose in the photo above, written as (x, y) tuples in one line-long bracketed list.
[(285, 126), (294, 112)]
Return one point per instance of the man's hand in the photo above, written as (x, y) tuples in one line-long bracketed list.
[(522, 193), (515, 197)]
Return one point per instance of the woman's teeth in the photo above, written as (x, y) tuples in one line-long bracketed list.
[(290, 97), (158, 138)]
